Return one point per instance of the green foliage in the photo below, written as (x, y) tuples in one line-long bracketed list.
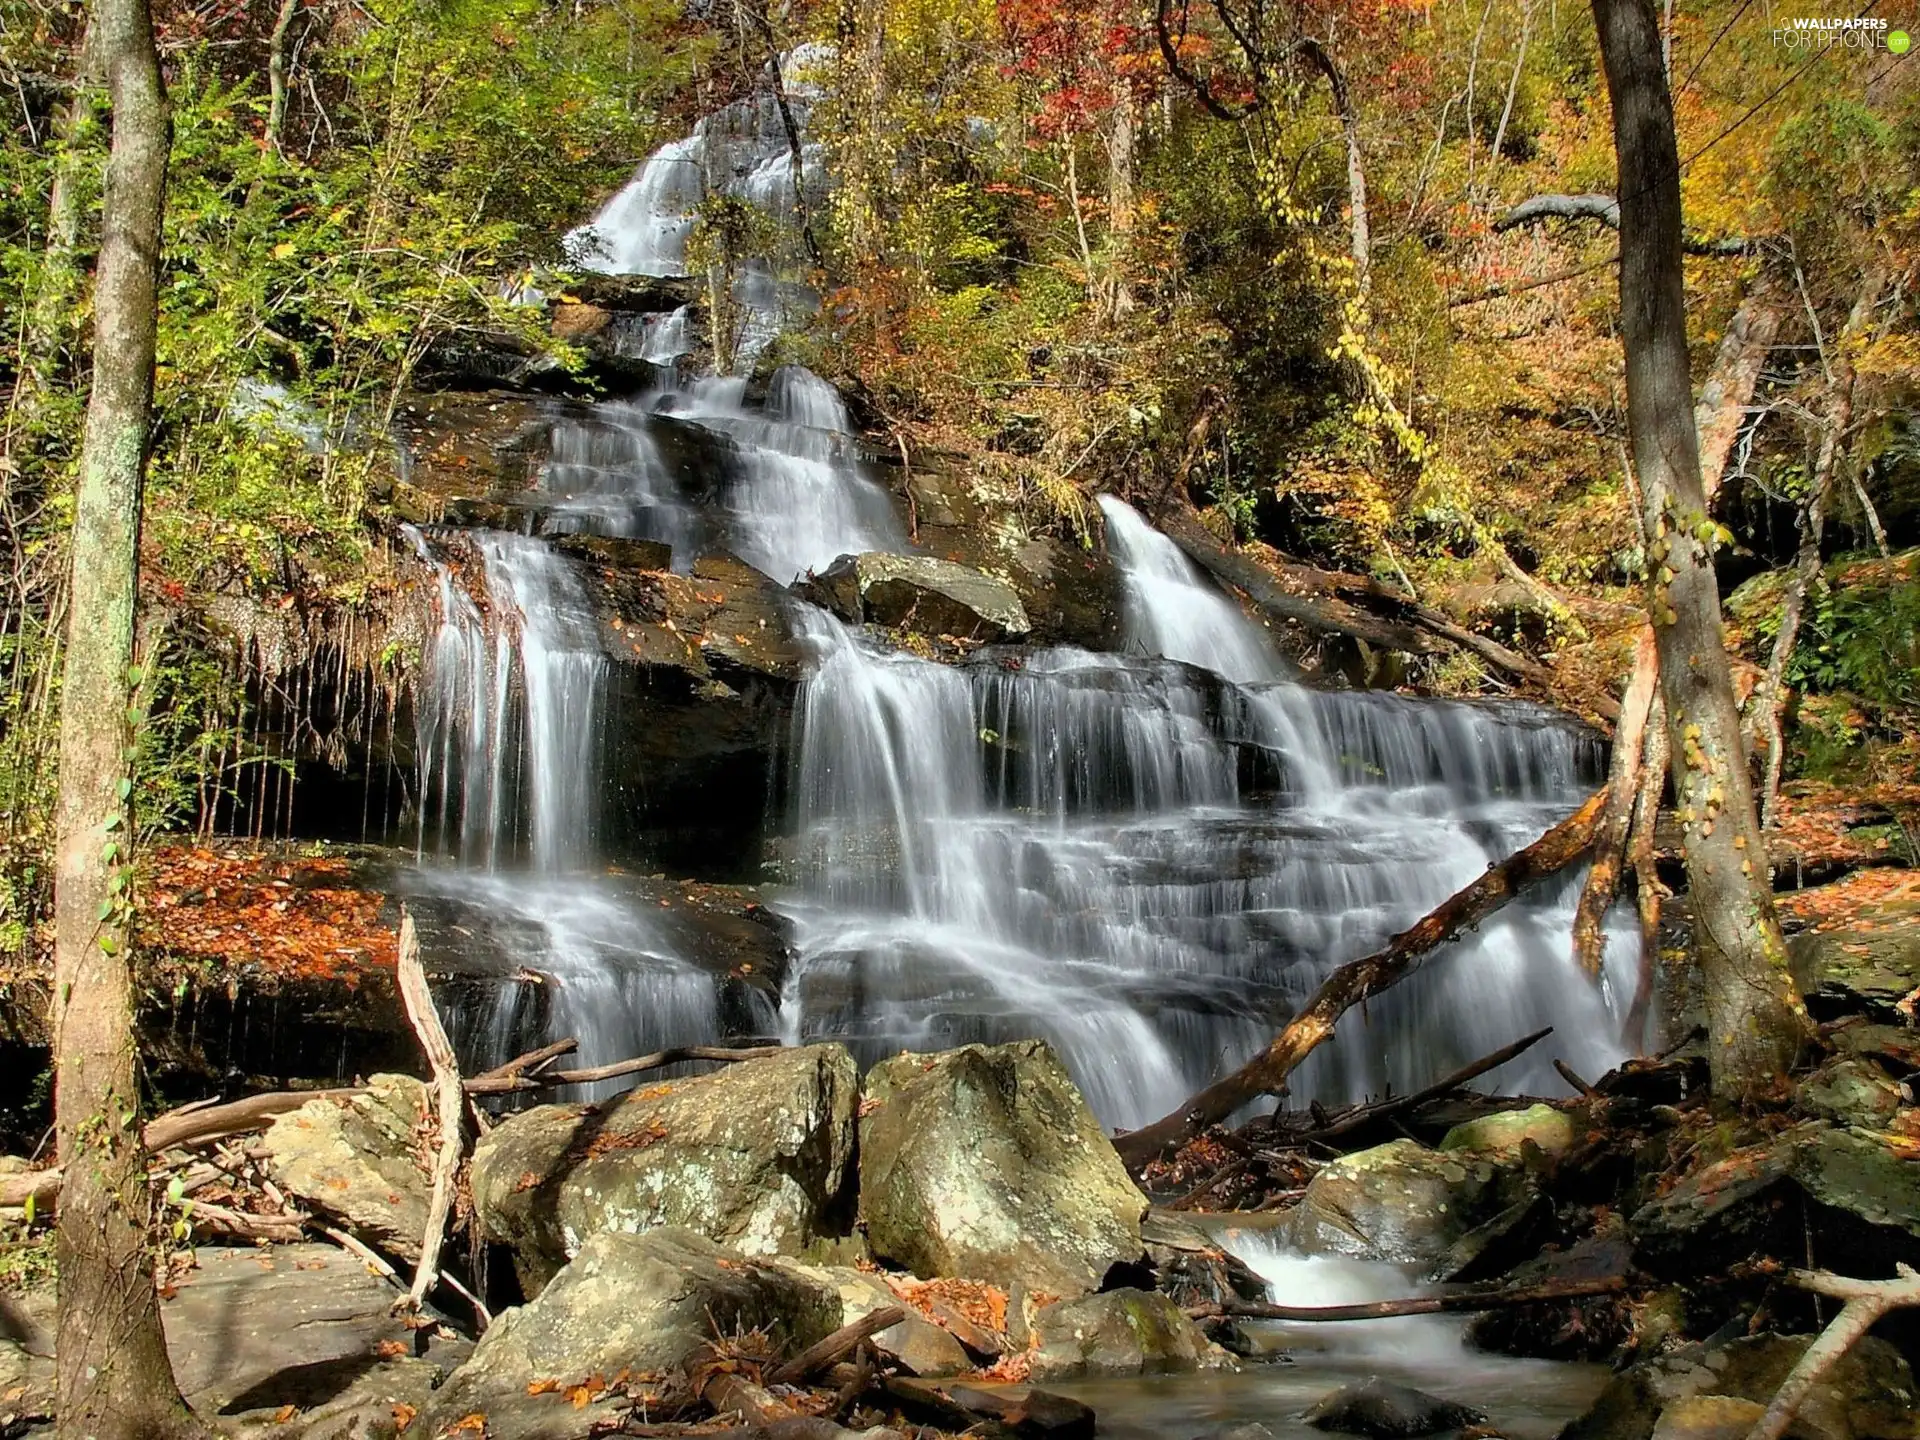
[(1864, 640)]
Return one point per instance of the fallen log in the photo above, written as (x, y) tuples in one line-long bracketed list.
[(1362, 979), (1312, 598), (819, 1356), (202, 1121), (450, 1104), (1454, 1302)]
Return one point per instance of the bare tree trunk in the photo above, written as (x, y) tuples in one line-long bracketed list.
[(1813, 524), (1623, 788), (113, 1376), (52, 307), (277, 71), (1647, 890), (1359, 236), (1717, 416), (1758, 1023), (1120, 159)]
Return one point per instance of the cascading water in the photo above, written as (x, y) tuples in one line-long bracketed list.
[(1149, 859), (1152, 867), (1172, 611)]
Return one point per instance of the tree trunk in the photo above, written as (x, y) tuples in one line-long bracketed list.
[(1120, 157), (1813, 522), (1758, 1023), (1359, 237), (1717, 416), (51, 309), (1359, 980), (113, 1376), (277, 71), (1623, 788)]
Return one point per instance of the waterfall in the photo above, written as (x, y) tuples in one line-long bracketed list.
[(1150, 858), (1152, 867), (1172, 611)]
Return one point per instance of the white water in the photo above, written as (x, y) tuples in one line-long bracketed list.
[(1149, 859), (1153, 867), (1172, 610), (1322, 1280)]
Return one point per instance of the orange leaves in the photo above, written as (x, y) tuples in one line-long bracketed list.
[(299, 918), (403, 1414)]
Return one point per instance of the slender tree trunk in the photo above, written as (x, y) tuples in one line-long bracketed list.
[(1120, 159), (277, 71), (113, 1376), (1359, 230), (51, 310), (1758, 1023), (1813, 523)]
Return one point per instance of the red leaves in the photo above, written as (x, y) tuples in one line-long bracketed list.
[(299, 918)]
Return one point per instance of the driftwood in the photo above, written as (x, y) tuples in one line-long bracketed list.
[(1866, 1302), (1362, 979), (450, 1104), (819, 1356), (494, 1084), (1317, 600), (1452, 1302)]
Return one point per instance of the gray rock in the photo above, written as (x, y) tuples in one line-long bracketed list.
[(1118, 1332), (1870, 968), (1708, 1417), (357, 1162), (252, 1330), (985, 1163), (640, 1303), (1867, 1395), (922, 594), (1403, 1202), (1388, 1411), (1191, 1268), (1850, 1092), (753, 1156)]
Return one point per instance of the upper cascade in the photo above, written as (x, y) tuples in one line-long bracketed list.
[(1174, 611)]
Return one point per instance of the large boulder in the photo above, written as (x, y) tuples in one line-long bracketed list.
[(1403, 1202), (639, 1304), (1118, 1332), (358, 1161), (985, 1163), (1867, 1395), (754, 1156), (922, 594), (1870, 964), (1507, 1133)]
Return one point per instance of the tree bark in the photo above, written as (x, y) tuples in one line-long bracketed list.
[(1360, 980), (1120, 163), (1359, 227), (1623, 787), (1813, 523), (1758, 1023), (113, 1378), (277, 71)]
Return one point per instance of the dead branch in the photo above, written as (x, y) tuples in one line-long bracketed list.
[(1866, 1302), (1623, 787), (1446, 1303), (549, 1078), (1606, 210), (449, 1103), (1351, 1120), (533, 1060), (819, 1356), (1362, 979)]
